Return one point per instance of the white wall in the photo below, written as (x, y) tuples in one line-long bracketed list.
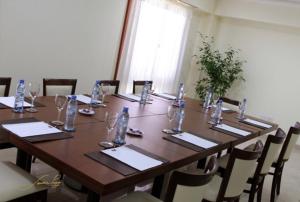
[(268, 34), (60, 38), (272, 68)]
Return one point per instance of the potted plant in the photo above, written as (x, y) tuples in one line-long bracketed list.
[(220, 69)]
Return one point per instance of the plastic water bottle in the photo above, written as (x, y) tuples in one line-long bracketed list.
[(216, 116), (242, 109), (71, 114), (95, 94), (144, 94), (180, 116), (180, 92), (19, 101), (121, 127), (208, 98)]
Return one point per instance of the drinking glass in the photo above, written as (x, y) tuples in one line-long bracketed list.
[(33, 90), (105, 89), (171, 114), (60, 102), (110, 123)]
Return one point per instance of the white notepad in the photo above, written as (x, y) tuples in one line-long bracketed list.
[(131, 96), (195, 140), (132, 158), (224, 109), (258, 123), (233, 129), (10, 102), (31, 129), (168, 96), (84, 99)]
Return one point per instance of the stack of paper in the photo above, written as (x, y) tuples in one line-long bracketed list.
[(130, 96), (195, 140), (132, 158), (31, 129), (167, 96), (10, 102), (258, 123), (232, 129), (84, 99)]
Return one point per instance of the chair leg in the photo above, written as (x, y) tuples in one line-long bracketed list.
[(279, 181), (260, 190), (252, 192), (274, 184)]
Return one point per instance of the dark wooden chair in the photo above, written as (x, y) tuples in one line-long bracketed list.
[(59, 82), (268, 155), (115, 83), (284, 155), (230, 187), (5, 81), (140, 83), (183, 186)]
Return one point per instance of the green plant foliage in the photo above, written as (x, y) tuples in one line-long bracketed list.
[(220, 69)]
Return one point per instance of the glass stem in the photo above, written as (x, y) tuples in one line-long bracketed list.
[(32, 103), (58, 115), (103, 98)]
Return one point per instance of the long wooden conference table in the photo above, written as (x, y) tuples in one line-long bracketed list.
[(69, 155)]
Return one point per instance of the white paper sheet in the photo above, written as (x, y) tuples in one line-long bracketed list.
[(224, 109), (84, 99), (132, 158), (233, 129), (31, 129), (131, 96), (258, 123), (195, 140), (168, 96), (10, 102)]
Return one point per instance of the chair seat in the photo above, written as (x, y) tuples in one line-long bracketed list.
[(138, 197), (213, 188), (17, 182)]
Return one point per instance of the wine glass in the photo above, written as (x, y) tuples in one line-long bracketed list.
[(105, 88), (110, 123), (33, 90), (171, 115), (60, 102)]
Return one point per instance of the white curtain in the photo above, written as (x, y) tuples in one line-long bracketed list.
[(154, 45)]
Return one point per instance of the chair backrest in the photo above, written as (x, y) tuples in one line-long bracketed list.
[(140, 83), (289, 143), (240, 166), (114, 83), (52, 87), (270, 152), (190, 187), (4, 86)]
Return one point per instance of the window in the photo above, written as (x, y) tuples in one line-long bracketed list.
[(157, 43)]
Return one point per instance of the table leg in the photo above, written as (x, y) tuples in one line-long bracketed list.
[(201, 163), (93, 197), (23, 160), (157, 186)]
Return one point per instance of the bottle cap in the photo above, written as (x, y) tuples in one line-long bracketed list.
[(98, 82), (182, 104), (73, 97), (22, 81), (125, 109)]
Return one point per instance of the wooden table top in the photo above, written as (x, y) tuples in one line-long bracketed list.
[(67, 155)]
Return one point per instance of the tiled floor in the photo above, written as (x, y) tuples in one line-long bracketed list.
[(290, 183)]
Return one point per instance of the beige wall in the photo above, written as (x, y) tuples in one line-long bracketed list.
[(269, 36), (60, 38)]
